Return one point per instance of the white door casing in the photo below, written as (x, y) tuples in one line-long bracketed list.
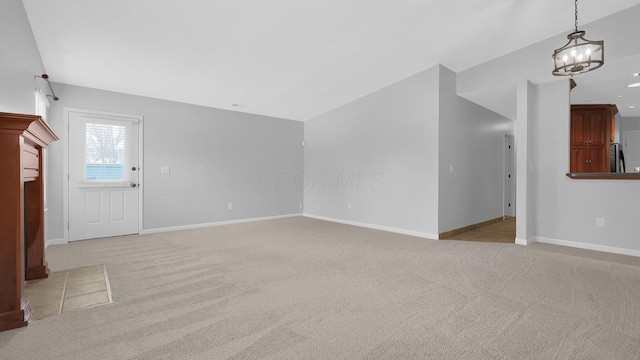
[(102, 164), (509, 181), (631, 150)]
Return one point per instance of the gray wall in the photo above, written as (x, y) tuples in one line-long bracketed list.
[(566, 209), (472, 141), (388, 140), (628, 124), (19, 60), (216, 157), (409, 134)]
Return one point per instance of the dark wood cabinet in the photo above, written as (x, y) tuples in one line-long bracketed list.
[(22, 139), (590, 134), (588, 159)]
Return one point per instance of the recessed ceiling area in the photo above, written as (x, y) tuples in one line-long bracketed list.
[(287, 59), (609, 85)]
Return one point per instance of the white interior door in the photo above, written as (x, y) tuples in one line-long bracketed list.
[(631, 150), (103, 175)]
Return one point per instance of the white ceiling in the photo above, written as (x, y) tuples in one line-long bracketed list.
[(608, 85), (293, 59)]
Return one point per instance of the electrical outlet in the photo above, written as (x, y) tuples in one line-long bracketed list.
[(165, 169), (349, 205), (600, 222), (300, 205), (230, 206), (450, 168)]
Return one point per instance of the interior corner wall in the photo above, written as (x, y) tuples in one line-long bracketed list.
[(378, 153), (566, 209), (19, 60), (215, 156), (525, 201), (471, 159)]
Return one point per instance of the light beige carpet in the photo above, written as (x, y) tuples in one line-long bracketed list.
[(300, 288)]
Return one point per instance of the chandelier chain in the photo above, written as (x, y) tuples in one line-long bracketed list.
[(576, 15)]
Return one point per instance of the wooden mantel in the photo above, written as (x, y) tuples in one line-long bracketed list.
[(22, 139)]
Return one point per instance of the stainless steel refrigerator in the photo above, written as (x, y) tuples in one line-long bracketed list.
[(617, 158)]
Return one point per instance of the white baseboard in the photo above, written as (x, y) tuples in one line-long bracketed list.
[(525, 241), (54, 242), (219, 223), (376, 227), (587, 246)]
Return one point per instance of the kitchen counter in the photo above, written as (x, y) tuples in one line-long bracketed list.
[(605, 176)]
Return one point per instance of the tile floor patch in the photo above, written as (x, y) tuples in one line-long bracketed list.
[(85, 301), (68, 290), (84, 288)]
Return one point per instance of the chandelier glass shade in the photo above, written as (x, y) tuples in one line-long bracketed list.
[(579, 55)]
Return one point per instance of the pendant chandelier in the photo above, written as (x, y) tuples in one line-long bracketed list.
[(579, 55)]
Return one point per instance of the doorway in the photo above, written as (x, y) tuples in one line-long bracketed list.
[(500, 229), (102, 166)]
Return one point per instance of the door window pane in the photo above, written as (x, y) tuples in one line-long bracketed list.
[(105, 156)]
